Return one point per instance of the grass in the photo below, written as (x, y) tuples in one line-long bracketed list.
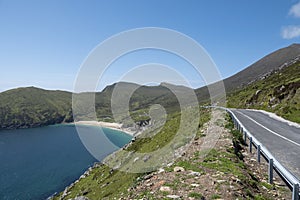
[(215, 196), (195, 195), (225, 162), (189, 165), (231, 163), (101, 183), (278, 93)]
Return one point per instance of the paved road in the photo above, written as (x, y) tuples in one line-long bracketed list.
[(281, 139)]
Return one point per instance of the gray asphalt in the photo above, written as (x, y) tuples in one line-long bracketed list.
[(285, 146)]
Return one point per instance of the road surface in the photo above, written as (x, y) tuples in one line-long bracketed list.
[(281, 139)]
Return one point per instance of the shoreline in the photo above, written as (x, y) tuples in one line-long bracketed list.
[(110, 125)]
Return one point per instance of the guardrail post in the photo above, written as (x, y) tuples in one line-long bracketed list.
[(250, 145), (271, 170), (295, 191), (258, 153), (245, 136)]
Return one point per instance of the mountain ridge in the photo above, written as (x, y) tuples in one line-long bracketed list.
[(31, 106)]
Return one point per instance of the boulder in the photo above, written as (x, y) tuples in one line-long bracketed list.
[(172, 196), (165, 189), (179, 169), (81, 198)]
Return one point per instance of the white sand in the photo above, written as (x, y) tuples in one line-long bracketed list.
[(115, 126)]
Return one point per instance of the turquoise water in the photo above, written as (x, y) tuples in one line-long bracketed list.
[(35, 163)]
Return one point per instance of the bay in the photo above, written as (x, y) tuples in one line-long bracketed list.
[(37, 162)]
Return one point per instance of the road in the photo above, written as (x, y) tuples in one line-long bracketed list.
[(281, 139)]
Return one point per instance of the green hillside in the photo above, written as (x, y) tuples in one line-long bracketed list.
[(279, 93), (32, 107)]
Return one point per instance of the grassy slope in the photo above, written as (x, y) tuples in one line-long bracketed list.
[(278, 93), (101, 184), (30, 107)]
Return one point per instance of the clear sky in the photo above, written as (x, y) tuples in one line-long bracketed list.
[(43, 43)]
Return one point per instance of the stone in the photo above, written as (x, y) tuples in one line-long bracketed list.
[(146, 158), (160, 170), (172, 196), (221, 181), (195, 173), (195, 185), (149, 184), (178, 169), (165, 189), (148, 177), (81, 198)]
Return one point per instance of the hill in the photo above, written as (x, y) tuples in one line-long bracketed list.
[(32, 107), (271, 83), (262, 68), (278, 92)]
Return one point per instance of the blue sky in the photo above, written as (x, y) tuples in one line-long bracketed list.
[(43, 43)]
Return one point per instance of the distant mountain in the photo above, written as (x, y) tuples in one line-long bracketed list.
[(263, 67), (257, 71), (31, 107), (278, 92)]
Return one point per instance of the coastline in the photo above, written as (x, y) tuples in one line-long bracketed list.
[(114, 126)]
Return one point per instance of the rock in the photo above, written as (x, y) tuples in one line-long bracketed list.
[(272, 99), (178, 169), (82, 176), (65, 193), (282, 88), (81, 198), (149, 184), (195, 173), (165, 189), (146, 158), (160, 170), (148, 177), (257, 92), (173, 196), (195, 185), (221, 181)]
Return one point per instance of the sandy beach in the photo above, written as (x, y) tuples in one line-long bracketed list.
[(115, 126)]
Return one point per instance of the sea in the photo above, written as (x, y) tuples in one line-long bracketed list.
[(36, 163)]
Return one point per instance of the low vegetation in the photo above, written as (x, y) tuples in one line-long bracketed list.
[(102, 182), (32, 107), (278, 92), (222, 173)]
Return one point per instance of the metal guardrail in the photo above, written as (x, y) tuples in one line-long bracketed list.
[(291, 181)]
